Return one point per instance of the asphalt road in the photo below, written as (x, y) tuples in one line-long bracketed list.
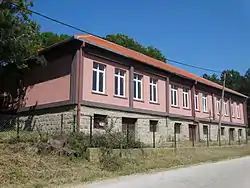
[(226, 174)]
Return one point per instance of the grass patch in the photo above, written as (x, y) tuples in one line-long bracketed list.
[(20, 167)]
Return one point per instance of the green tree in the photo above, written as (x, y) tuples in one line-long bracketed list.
[(214, 78), (49, 38), (130, 43), (233, 79), (19, 35), (20, 42)]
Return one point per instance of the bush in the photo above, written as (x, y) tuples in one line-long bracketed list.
[(114, 140), (78, 142)]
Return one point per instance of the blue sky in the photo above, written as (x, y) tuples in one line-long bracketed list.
[(214, 34)]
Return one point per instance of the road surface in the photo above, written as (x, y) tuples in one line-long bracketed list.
[(226, 174)]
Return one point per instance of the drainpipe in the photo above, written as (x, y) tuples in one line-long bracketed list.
[(79, 86)]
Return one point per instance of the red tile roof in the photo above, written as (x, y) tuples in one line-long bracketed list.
[(148, 60)]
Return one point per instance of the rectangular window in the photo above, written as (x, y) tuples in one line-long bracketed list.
[(137, 86), (222, 131), (153, 90), (204, 103), (185, 98), (232, 109), (177, 127), (225, 109), (196, 101), (205, 129), (238, 110), (174, 95), (240, 132), (100, 121), (153, 125), (98, 80), (120, 82), (218, 106)]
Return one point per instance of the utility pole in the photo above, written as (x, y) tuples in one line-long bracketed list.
[(221, 103)]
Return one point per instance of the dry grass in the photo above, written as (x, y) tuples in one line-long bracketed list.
[(20, 167)]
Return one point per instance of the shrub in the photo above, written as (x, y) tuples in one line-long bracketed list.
[(114, 140), (78, 142)]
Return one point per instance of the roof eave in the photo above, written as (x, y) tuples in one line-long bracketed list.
[(79, 38), (57, 44)]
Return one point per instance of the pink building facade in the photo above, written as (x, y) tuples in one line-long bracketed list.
[(103, 83)]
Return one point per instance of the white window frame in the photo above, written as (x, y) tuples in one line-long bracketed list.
[(138, 80), (174, 92), (196, 101), (185, 98), (225, 109), (204, 103), (218, 106), (98, 71), (152, 85), (238, 111), (120, 77), (232, 109)]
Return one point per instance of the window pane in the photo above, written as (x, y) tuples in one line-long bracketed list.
[(172, 97), (135, 89), (116, 71), (95, 65), (139, 90), (186, 100), (94, 81), (154, 92), (101, 82), (175, 98), (151, 97), (183, 99), (101, 66), (121, 86), (116, 85)]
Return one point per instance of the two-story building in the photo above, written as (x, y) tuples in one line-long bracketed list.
[(95, 78)]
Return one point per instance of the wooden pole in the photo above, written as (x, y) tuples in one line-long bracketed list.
[(221, 103)]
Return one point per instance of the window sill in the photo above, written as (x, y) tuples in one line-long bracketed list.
[(205, 112), (226, 115), (238, 117), (99, 93), (138, 100), (184, 108), (175, 106), (152, 102), (197, 110), (121, 97)]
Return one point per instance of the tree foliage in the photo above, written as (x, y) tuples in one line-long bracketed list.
[(19, 35), (49, 38), (235, 81), (132, 44), (214, 78), (20, 42)]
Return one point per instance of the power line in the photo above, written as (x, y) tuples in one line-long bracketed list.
[(193, 66), (84, 31)]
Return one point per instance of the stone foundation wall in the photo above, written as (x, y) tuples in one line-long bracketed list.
[(164, 135), (50, 120), (142, 125)]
